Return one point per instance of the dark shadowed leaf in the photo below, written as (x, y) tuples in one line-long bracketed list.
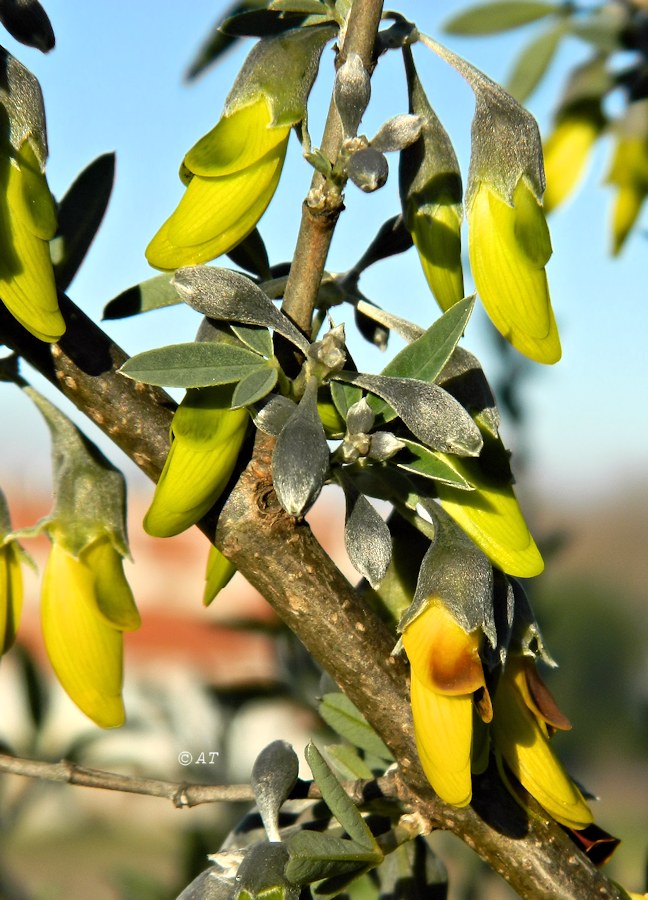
[(229, 296), (251, 255), (191, 365), (300, 460), (274, 775), (533, 62), (254, 386), (346, 719), (216, 42), (366, 537), (501, 15), (392, 237), (262, 874), (267, 22), (79, 216), (27, 22), (152, 294), (416, 865)]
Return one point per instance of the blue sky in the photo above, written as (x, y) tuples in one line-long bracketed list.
[(114, 82)]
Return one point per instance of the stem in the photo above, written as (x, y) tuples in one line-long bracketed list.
[(323, 205)]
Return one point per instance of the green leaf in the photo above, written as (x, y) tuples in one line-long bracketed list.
[(420, 461), (425, 357), (310, 7), (533, 62), (152, 294), (348, 762), (366, 537), (256, 338), (254, 386), (501, 15), (342, 807), (79, 216), (344, 396), (346, 719), (191, 365), (314, 856)]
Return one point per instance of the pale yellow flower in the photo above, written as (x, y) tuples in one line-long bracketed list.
[(509, 246), (566, 152), (231, 175), (206, 438), (86, 604)]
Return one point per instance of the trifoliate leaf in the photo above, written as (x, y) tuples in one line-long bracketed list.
[(191, 365), (154, 293), (300, 460), (254, 386), (226, 295), (314, 856), (501, 15), (256, 338), (274, 775)]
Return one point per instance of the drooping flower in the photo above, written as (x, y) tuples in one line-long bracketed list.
[(27, 209), (11, 583), (446, 672), (524, 715), (430, 188), (509, 247), (206, 439), (232, 172), (567, 149), (629, 172), (86, 604)]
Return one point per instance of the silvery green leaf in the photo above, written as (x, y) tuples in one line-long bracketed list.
[(456, 571), (413, 862), (533, 62), (368, 169), (499, 15), (230, 296), (300, 460), (154, 293), (397, 133), (22, 98), (193, 364), (360, 418), (262, 873), (254, 386), (27, 22), (211, 884), (274, 775), (274, 415), (314, 856), (347, 762), (429, 412), (256, 338), (366, 537), (463, 377), (351, 93), (407, 330)]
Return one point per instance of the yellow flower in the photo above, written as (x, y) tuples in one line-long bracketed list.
[(491, 516), (231, 176), (27, 223), (523, 714), (629, 172), (436, 232), (206, 438), (86, 604), (509, 246), (445, 673), (11, 593), (566, 152)]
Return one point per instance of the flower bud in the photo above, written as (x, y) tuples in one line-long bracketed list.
[(629, 172), (368, 169)]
